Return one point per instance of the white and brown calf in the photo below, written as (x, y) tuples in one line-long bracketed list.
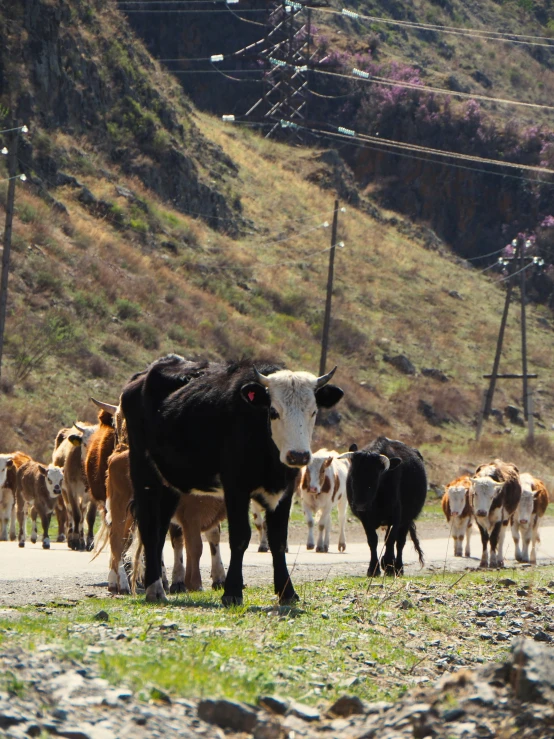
[(323, 485), (457, 509), (495, 495), (527, 517), (9, 464), (38, 488)]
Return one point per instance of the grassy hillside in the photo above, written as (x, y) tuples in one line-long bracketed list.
[(108, 276)]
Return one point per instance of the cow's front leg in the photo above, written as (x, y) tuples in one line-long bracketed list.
[(527, 534), (468, 538), (91, 518), (388, 559), (34, 532), (485, 542), (21, 520), (535, 539), (515, 536), (309, 518), (178, 577), (496, 540), (213, 536), (258, 514), (155, 506), (12, 523), (45, 520), (277, 536), (342, 523), (238, 505), (372, 539), (400, 543)]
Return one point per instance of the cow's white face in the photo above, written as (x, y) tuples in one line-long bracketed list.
[(527, 500), (457, 496), (54, 480), (485, 490), (293, 399), (315, 473), (5, 463)]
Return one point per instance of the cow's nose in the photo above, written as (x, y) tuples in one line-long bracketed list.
[(455, 513), (481, 512), (313, 490), (523, 520), (298, 459)]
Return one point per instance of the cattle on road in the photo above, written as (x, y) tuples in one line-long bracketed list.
[(9, 464), (456, 507), (387, 486), (323, 486), (38, 487), (209, 427), (527, 517), (495, 495)]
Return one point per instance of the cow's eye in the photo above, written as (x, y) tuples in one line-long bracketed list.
[(273, 414)]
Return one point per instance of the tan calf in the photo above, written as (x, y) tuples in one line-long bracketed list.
[(38, 487), (194, 514), (9, 464), (527, 517), (70, 452), (457, 509), (323, 485)]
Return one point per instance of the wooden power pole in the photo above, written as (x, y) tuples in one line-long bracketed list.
[(12, 168), (327, 319)]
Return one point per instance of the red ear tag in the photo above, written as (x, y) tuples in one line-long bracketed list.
[(251, 396)]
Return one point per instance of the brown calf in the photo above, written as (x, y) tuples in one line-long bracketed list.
[(38, 487), (101, 446), (194, 514), (9, 464), (457, 509)]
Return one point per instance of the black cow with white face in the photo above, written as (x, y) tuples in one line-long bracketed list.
[(238, 428), (387, 486)]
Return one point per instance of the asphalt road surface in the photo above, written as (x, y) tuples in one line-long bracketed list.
[(33, 575)]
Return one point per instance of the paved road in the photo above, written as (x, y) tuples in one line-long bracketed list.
[(32, 575)]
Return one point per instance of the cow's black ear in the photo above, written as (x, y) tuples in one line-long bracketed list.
[(394, 462), (328, 396), (255, 394), (353, 448)]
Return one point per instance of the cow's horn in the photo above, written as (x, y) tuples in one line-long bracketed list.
[(386, 461), (79, 428), (346, 455), (105, 406), (324, 379), (262, 379)]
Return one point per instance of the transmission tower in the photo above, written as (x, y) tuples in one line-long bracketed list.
[(286, 57)]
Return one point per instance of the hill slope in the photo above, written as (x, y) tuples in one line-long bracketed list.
[(107, 275)]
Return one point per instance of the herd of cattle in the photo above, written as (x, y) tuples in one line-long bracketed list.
[(193, 443)]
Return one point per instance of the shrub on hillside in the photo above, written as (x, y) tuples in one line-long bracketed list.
[(142, 333), (127, 309)]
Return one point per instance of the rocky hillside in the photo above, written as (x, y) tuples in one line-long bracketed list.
[(475, 208), (146, 226)]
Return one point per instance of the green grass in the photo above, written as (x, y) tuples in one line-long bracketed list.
[(373, 639)]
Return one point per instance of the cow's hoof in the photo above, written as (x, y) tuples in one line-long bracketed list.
[(82, 547), (232, 600), (374, 571), (310, 546), (90, 545), (483, 565), (289, 600), (177, 587), (21, 544), (4, 538), (61, 538), (218, 584), (46, 544), (155, 593), (342, 547), (322, 549), (33, 539), (13, 537), (263, 548)]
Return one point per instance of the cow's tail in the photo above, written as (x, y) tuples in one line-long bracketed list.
[(415, 542), (103, 535), (134, 556)]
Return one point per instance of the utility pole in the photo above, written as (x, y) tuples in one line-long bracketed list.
[(523, 329), (12, 166), (327, 319), (494, 374)]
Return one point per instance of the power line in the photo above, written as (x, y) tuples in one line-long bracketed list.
[(365, 76)]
